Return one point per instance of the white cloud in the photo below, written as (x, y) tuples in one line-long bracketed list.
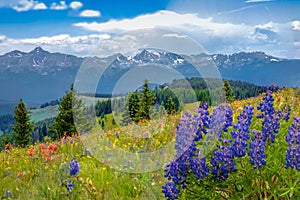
[(59, 6), (24, 5), (78, 45), (75, 5), (256, 1), (40, 6), (175, 35), (296, 25), (90, 13), (166, 19), (215, 37)]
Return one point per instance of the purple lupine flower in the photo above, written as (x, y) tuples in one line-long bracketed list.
[(293, 140), (270, 116), (222, 161), (185, 134), (199, 167), (287, 114), (7, 193), (170, 190), (241, 136), (220, 120), (292, 158), (74, 167), (189, 131), (171, 172), (257, 150), (228, 118), (204, 118), (68, 185)]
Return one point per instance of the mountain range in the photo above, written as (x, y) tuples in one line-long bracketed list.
[(39, 76)]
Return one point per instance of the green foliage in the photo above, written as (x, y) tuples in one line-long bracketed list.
[(170, 106), (31, 177), (274, 180), (126, 117), (6, 138), (46, 139), (147, 99), (162, 110), (64, 122), (103, 107), (23, 127), (51, 103), (228, 92), (133, 106), (138, 105)]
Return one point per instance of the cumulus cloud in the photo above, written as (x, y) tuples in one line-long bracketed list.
[(40, 6), (163, 19), (75, 5), (26, 5), (215, 37), (90, 13), (296, 25), (59, 6), (78, 45), (22, 5)]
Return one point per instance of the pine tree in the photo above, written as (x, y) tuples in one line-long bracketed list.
[(146, 101), (133, 105), (170, 106), (228, 92), (162, 110), (102, 123), (126, 118), (64, 121), (23, 127)]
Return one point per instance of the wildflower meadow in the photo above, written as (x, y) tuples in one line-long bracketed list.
[(247, 149)]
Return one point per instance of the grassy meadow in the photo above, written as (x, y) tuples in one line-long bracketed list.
[(41, 171)]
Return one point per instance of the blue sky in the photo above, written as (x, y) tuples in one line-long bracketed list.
[(220, 26)]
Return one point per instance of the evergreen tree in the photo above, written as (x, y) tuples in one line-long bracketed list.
[(228, 92), (64, 121), (162, 110), (126, 118), (146, 101), (113, 122), (23, 127), (6, 138), (170, 106), (133, 105), (102, 123)]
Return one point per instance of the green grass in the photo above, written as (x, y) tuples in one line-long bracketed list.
[(43, 113)]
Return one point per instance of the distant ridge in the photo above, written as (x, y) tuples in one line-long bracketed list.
[(39, 75)]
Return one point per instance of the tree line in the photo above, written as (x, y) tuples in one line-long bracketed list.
[(138, 105)]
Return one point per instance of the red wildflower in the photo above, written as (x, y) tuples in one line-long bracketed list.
[(42, 146), (48, 158), (31, 152), (279, 98), (44, 152), (55, 148), (51, 147)]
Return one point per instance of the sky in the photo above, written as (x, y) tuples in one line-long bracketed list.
[(219, 26)]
